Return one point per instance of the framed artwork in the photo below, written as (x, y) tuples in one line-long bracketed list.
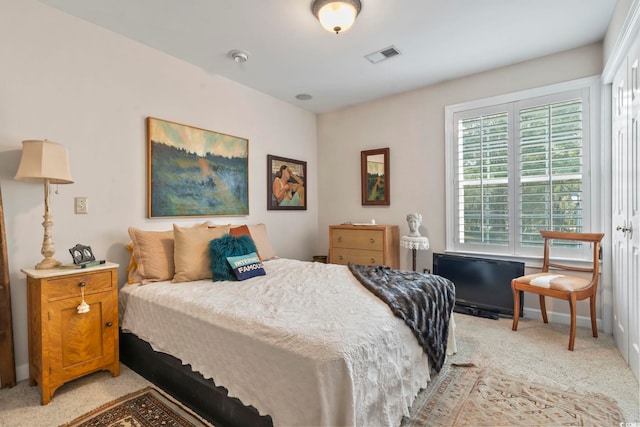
[(286, 184), (195, 172), (375, 180)]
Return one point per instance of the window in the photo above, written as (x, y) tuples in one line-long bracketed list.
[(518, 164)]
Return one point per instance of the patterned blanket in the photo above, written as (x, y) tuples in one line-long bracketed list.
[(423, 301)]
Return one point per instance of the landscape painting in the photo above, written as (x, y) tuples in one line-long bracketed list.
[(195, 172), (375, 177)]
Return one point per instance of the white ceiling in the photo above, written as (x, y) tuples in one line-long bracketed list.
[(290, 53)]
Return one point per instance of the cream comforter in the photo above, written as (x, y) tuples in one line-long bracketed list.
[(306, 343)]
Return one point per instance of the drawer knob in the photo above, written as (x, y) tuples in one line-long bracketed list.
[(109, 324), (340, 258), (372, 240), (82, 284), (339, 238), (372, 261)]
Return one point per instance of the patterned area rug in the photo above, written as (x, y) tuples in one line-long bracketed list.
[(143, 408), (469, 396)]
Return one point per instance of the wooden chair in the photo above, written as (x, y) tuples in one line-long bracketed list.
[(558, 285)]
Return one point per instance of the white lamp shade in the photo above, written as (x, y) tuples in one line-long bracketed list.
[(336, 16), (44, 159)]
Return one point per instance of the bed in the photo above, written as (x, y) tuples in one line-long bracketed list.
[(304, 344)]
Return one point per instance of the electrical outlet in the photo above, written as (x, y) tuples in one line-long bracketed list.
[(82, 205)]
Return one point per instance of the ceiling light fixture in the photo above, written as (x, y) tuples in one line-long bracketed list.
[(336, 15)]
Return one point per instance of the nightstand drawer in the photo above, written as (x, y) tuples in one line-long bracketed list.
[(66, 287), (363, 239)]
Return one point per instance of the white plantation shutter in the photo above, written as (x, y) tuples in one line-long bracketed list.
[(519, 167), (550, 169), (482, 174)]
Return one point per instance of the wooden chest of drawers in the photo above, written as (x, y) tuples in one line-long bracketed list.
[(364, 245), (63, 343)]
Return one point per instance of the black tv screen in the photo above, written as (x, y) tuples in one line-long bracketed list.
[(483, 286)]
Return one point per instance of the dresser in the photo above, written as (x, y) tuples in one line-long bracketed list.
[(67, 341), (364, 245)]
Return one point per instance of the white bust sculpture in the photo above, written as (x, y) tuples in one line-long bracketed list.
[(414, 220)]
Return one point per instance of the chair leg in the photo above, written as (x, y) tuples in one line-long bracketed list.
[(516, 308), (543, 309), (594, 326), (572, 309)]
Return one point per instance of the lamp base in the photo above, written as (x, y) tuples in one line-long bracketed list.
[(48, 263)]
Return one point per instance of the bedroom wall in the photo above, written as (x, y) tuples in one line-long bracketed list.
[(72, 82), (412, 126)]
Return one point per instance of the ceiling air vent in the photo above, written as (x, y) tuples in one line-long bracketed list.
[(383, 54)]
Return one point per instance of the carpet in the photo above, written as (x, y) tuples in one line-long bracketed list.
[(144, 408), (470, 396)]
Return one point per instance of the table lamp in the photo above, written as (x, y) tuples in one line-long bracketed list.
[(46, 162)]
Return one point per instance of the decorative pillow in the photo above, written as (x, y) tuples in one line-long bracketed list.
[(260, 238), (242, 230), (191, 252), (227, 246), (132, 269), (153, 253), (246, 266)]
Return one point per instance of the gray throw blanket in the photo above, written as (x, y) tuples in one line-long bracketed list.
[(423, 301)]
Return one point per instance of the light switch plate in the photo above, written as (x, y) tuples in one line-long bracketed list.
[(82, 206)]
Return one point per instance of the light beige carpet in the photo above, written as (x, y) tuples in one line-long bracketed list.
[(470, 396), (536, 353), (144, 408)]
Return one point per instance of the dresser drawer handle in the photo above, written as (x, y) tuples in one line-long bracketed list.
[(339, 238), (109, 324), (372, 261), (82, 284), (372, 240), (340, 257)]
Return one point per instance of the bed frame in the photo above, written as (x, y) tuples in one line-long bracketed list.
[(201, 395)]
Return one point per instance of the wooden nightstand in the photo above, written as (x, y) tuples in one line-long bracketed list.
[(63, 344)]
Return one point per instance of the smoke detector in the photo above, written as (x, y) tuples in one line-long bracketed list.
[(238, 56)]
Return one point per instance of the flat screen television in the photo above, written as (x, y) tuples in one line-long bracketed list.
[(483, 286)]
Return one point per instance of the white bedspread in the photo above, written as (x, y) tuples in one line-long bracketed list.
[(306, 344)]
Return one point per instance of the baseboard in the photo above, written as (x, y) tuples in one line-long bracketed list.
[(562, 318)]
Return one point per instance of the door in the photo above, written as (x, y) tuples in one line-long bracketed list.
[(633, 210), (80, 343), (626, 209)]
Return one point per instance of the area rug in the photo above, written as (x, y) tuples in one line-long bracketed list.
[(470, 396), (144, 408)]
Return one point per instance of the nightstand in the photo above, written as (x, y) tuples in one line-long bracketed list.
[(66, 342)]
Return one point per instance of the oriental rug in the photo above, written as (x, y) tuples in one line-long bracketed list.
[(469, 396), (144, 408)]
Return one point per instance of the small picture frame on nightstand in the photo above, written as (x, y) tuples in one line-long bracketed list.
[(81, 254)]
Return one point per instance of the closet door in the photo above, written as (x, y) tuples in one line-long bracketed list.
[(619, 254), (626, 208), (633, 209)]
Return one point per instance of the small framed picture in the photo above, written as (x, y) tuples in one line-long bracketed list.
[(376, 181), (81, 254), (286, 183)]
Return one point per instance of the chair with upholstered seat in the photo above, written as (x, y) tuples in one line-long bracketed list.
[(556, 284)]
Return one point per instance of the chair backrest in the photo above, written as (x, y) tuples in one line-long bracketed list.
[(594, 238)]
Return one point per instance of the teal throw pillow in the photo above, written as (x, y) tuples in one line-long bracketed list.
[(227, 246), (246, 266)]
